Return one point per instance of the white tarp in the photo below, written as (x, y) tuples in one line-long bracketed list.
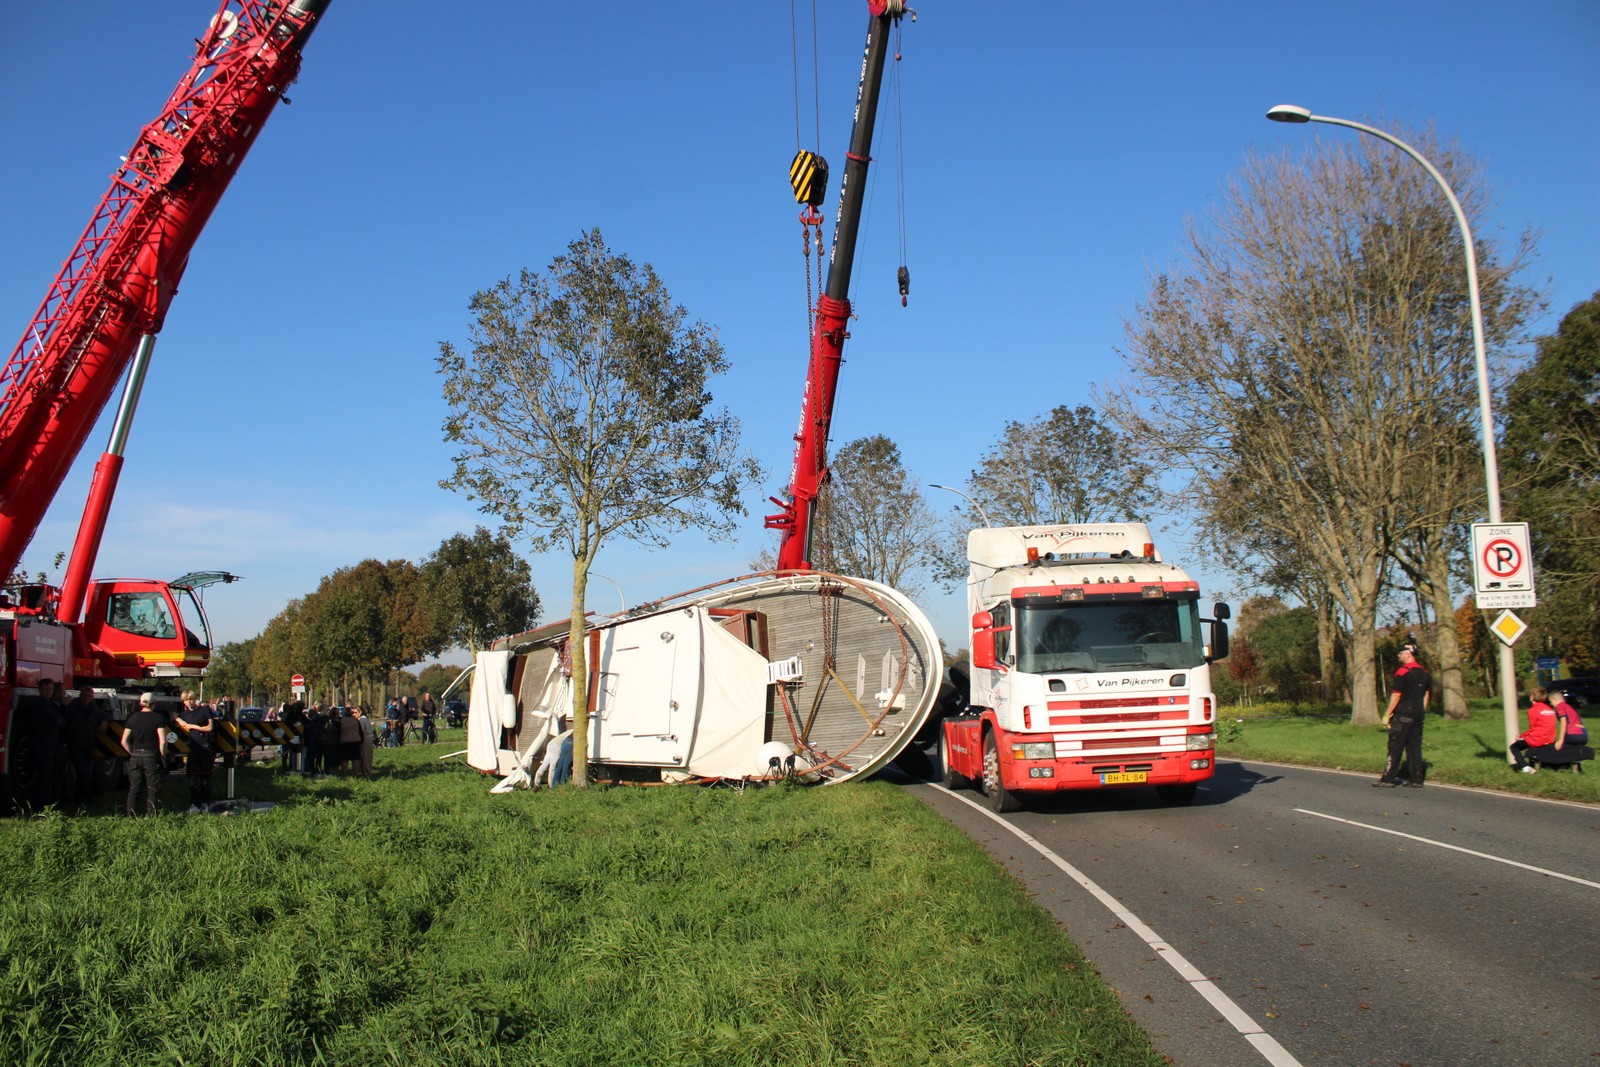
[(733, 706), (490, 697)]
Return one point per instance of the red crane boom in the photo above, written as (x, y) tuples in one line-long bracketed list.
[(114, 288), (798, 514)]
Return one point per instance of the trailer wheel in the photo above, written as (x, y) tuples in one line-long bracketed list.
[(999, 799), (1176, 795), (953, 779)]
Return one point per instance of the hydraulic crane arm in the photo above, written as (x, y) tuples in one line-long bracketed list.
[(115, 287), (798, 514)]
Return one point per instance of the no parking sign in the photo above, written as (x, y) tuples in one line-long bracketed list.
[(1502, 568)]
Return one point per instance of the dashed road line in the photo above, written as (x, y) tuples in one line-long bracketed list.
[(1453, 848)]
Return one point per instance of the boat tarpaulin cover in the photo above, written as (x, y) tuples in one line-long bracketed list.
[(489, 696)]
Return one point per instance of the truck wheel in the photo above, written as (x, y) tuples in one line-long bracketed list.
[(953, 779), (993, 788), (1176, 795)]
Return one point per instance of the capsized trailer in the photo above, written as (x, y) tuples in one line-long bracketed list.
[(814, 677)]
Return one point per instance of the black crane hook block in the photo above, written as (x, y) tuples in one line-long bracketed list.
[(808, 174)]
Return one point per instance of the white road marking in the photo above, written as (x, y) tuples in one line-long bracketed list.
[(1263, 1042), (1454, 848)]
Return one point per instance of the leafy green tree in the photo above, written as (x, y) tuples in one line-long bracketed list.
[(582, 412), (228, 673), (280, 652), (1477, 645), (1285, 644), (1550, 459), (479, 589), (1309, 366), (435, 678), (364, 622), (873, 521)]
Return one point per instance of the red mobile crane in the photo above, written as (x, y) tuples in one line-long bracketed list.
[(809, 173), (98, 320)]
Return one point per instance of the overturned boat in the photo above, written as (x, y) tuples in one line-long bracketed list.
[(811, 676)]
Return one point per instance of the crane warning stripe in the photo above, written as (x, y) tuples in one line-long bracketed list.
[(228, 737)]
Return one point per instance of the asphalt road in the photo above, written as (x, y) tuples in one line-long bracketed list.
[(1293, 915)]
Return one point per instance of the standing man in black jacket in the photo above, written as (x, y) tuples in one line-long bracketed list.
[(144, 735), (1408, 702)]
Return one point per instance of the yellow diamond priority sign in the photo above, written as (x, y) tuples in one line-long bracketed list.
[(1507, 627)]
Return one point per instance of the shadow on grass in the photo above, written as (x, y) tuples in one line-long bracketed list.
[(1488, 750)]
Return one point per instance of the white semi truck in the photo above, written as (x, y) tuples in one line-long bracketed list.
[(1091, 667)]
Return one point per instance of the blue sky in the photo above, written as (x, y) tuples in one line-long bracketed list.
[(1053, 153)]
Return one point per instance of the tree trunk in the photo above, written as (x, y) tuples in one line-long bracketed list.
[(1327, 648), (576, 644), (1365, 683), (1450, 687)]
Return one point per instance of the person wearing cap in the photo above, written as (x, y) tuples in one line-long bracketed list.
[(144, 735), (1541, 731), (1408, 703)]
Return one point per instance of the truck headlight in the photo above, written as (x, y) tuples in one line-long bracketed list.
[(1034, 750), (1200, 742)]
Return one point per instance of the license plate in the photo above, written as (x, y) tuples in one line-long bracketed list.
[(1123, 778)]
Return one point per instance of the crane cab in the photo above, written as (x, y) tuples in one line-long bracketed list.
[(143, 628)]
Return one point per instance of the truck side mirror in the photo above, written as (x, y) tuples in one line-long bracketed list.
[(983, 640), (1219, 636)]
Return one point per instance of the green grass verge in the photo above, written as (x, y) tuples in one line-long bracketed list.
[(1467, 751), (414, 919)]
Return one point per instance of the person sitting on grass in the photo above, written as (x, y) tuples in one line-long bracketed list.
[(1541, 729)]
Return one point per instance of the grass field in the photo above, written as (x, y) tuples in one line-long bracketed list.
[(415, 919), (1467, 752)]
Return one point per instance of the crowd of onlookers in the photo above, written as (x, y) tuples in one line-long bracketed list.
[(59, 735)]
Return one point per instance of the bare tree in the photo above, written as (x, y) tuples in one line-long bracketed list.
[(1311, 363), (873, 521), (1067, 466), (582, 412)]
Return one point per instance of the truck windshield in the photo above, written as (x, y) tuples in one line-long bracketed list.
[(1079, 636)]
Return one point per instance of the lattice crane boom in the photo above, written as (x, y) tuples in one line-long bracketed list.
[(114, 288)]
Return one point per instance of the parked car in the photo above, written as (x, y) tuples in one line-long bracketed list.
[(455, 712), (1581, 692), (252, 714)]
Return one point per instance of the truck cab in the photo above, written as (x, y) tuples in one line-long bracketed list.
[(1090, 666)]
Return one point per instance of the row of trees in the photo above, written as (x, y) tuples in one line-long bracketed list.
[(1303, 380), (365, 622), (1306, 377)]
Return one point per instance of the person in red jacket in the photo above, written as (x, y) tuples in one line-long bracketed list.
[(1541, 729)]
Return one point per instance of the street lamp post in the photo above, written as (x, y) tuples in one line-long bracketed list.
[(1491, 464), (618, 588), (975, 505)]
